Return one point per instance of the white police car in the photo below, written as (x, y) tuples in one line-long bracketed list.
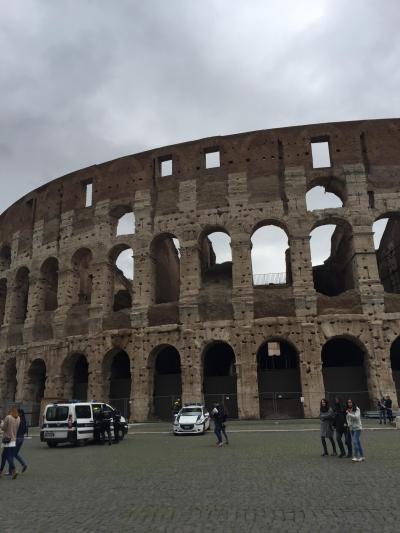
[(192, 419), (74, 421)]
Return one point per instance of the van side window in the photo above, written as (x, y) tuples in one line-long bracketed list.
[(83, 411), (56, 413)]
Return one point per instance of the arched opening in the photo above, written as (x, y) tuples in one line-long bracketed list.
[(216, 257), (117, 375), (21, 295), (167, 381), (387, 245), (121, 258), (122, 220), (76, 376), (3, 299), (166, 261), (219, 377), (5, 257), (10, 389), (49, 272), (35, 388), (320, 197), (81, 263), (395, 364), (332, 258), (343, 371), (270, 256), (279, 384)]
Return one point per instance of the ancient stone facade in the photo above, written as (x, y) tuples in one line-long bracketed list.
[(73, 325)]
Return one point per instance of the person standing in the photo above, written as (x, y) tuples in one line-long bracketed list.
[(10, 427), (20, 440), (353, 417), (105, 426), (382, 410), (326, 416), (117, 425), (388, 405), (341, 429), (218, 416)]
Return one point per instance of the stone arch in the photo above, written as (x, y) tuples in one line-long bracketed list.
[(386, 229), (49, 277), (344, 360), (279, 381), (75, 371), (117, 379), (123, 220), (3, 299), (21, 295), (270, 253), (219, 376), (215, 258), (122, 277), (333, 274), (83, 275), (35, 383), (165, 362), (5, 257), (166, 268), (336, 189), (395, 365)]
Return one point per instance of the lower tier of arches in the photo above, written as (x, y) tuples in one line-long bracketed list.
[(270, 370)]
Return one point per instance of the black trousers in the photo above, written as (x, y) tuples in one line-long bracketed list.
[(323, 440), (347, 439)]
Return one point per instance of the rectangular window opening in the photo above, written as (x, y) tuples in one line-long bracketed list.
[(213, 159), (320, 154), (166, 167), (88, 194)]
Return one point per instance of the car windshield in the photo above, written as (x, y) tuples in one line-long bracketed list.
[(55, 413), (191, 411)]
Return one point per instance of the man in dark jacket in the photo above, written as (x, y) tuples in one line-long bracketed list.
[(341, 428), (117, 425), (388, 405), (219, 418), (105, 426)]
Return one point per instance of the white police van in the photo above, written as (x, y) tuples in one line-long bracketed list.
[(73, 422)]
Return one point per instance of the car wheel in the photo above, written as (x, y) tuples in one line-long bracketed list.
[(52, 444)]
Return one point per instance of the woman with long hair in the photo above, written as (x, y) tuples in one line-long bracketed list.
[(9, 440), (326, 415), (353, 417)]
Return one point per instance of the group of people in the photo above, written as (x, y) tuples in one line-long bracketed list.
[(385, 409), (102, 426), (14, 428), (343, 421)]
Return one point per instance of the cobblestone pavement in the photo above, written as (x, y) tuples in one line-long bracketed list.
[(265, 480)]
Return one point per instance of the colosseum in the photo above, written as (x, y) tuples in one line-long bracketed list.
[(186, 325)]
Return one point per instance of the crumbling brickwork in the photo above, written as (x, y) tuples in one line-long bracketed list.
[(73, 325)]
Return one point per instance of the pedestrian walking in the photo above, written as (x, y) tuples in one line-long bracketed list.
[(353, 417), (20, 440), (326, 416), (117, 425), (218, 416), (382, 410), (388, 405), (341, 428), (10, 428), (105, 426)]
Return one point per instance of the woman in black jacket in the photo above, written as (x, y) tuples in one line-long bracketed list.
[(341, 428)]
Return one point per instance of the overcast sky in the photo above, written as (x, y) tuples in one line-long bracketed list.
[(86, 81)]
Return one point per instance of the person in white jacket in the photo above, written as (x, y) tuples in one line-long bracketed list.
[(353, 418)]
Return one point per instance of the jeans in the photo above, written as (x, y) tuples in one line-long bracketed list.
[(218, 431), (8, 456), (355, 437), (382, 416), (17, 456), (223, 431), (347, 439)]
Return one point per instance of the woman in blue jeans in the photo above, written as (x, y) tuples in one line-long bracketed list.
[(353, 418), (20, 440)]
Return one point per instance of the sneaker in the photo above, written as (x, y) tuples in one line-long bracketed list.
[(324, 454), (362, 458), (220, 444), (24, 468), (357, 459), (15, 474)]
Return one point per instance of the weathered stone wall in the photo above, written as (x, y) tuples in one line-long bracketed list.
[(263, 178)]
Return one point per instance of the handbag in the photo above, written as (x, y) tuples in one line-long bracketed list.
[(6, 440)]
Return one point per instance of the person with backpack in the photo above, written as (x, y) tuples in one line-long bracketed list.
[(219, 418)]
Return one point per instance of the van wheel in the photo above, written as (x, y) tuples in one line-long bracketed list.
[(52, 444)]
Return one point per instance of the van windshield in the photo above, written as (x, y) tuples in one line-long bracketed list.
[(55, 413)]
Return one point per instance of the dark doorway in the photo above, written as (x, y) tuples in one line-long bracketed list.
[(35, 388), (167, 381), (80, 379), (120, 382), (395, 363), (279, 384), (219, 383), (11, 380), (343, 372)]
